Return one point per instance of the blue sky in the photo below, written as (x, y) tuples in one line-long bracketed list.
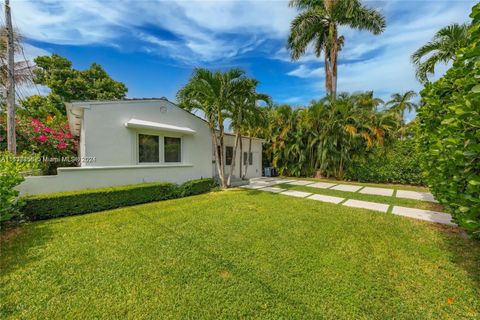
[(153, 46)]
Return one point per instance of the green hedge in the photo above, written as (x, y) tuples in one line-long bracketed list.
[(398, 164), (69, 203), (449, 134), (194, 187)]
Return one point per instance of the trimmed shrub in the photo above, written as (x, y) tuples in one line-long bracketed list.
[(70, 203), (449, 134), (398, 164), (194, 187)]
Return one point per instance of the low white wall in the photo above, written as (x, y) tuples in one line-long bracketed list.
[(98, 177)]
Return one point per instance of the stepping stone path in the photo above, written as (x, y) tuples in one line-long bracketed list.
[(274, 190), (425, 196), (427, 215), (266, 184), (377, 191), (300, 182), (322, 185), (321, 197), (367, 205), (346, 187), (298, 194)]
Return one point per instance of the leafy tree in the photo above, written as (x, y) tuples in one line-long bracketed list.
[(446, 42), (69, 84), (214, 93), (448, 135), (318, 23)]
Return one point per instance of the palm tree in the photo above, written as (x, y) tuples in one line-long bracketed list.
[(318, 23), (442, 48), (242, 106), (22, 73), (213, 92), (401, 102)]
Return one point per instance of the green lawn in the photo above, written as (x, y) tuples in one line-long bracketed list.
[(238, 254), (367, 197)]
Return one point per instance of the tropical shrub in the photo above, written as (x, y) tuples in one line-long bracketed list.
[(69, 203), (449, 134), (396, 164), (194, 187), (12, 171), (327, 136)]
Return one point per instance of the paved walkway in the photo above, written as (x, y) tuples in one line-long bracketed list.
[(267, 184)]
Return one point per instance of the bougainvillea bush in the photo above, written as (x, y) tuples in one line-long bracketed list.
[(50, 138), (449, 134)]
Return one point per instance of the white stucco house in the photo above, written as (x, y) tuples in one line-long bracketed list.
[(141, 140)]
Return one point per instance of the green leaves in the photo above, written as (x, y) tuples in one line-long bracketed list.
[(448, 136)]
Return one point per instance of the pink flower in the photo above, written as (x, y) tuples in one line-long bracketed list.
[(37, 122), (47, 130), (60, 134), (36, 129), (62, 145), (42, 138), (69, 135)]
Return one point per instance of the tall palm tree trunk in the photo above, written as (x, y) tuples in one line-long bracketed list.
[(234, 157), (241, 157), (218, 157), (248, 156)]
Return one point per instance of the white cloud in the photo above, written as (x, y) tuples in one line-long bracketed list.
[(382, 63), (199, 25)]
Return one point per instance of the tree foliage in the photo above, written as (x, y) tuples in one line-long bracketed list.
[(327, 136), (449, 134), (219, 95), (446, 42), (69, 84), (318, 23)]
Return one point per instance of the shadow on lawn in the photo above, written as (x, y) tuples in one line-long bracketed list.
[(465, 252), (20, 244)]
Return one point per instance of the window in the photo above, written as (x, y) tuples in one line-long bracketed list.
[(249, 156), (148, 149), (228, 155), (172, 148)]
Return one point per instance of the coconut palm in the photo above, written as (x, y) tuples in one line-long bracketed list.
[(318, 23), (401, 102), (442, 48), (212, 93)]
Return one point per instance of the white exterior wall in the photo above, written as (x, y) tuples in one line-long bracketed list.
[(105, 138), (90, 177), (254, 170)]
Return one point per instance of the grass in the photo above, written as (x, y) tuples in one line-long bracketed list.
[(367, 197), (238, 254), (368, 184)]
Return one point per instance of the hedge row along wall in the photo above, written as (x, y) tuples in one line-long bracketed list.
[(85, 201)]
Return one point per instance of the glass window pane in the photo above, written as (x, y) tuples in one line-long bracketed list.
[(228, 155), (148, 150), (173, 147), (245, 158), (250, 159)]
